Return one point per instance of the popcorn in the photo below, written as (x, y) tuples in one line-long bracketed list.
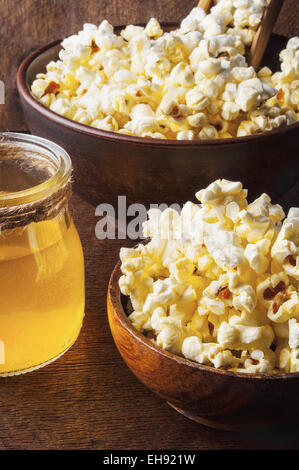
[(288, 359), (241, 74), (191, 40), (226, 250), (285, 249), (247, 128), (244, 296), (170, 338), (42, 87), (181, 75), (197, 120), (230, 111), (106, 124), (241, 337), (195, 79), (208, 132), (139, 320), (293, 334), (192, 21), (294, 360), (214, 283), (246, 35), (284, 305), (64, 107), (270, 286), (153, 29), (131, 31), (206, 353), (141, 110), (255, 223), (210, 67), (256, 255), (142, 125), (208, 87), (252, 92), (185, 135), (224, 11), (196, 100), (212, 26), (256, 362)]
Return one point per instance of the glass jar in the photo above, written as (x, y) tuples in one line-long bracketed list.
[(41, 258)]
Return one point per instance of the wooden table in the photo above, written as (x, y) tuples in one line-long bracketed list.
[(88, 398)]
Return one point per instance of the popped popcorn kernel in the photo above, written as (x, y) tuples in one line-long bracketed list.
[(195, 79), (217, 282)]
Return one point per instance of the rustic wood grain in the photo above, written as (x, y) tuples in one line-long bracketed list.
[(89, 398)]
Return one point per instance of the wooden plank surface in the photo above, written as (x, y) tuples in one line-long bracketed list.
[(88, 398)]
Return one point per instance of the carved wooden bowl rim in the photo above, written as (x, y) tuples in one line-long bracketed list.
[(24, 90), (115, 296)]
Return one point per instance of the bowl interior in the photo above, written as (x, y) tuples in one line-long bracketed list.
[(147, 174), (270, 59), (37, 61), (119, 303), (39, 64), (49, 53)]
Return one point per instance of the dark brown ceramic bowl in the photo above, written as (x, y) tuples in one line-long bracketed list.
[(154, 171), (213, 397)]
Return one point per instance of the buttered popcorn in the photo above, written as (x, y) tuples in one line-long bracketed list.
[(187, 84), (218, 283)]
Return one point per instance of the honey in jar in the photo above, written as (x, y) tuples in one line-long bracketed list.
[(41, 259)]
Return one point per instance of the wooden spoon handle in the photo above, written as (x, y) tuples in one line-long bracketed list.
[(205, 5), (263, 33)]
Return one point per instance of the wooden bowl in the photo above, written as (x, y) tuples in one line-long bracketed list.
[(148, 171), (214, 397)]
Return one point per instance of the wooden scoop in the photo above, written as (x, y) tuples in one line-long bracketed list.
[(262, 34), (205, 5)]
